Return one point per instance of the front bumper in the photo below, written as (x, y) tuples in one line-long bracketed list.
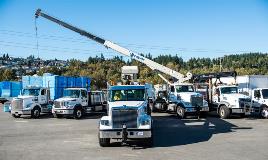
[(132, 133), (194, 109), (21, 112), (63, 111)]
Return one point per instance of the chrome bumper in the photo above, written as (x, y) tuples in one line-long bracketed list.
[(22, 112), (132, 134), (194, 109), (63, 111)]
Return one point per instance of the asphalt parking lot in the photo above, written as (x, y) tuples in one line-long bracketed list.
[(210, 138)]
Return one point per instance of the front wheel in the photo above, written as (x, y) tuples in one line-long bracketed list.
[(16, 115), (264, 112), (78, 113), (224, 112), (104, 142), (35, 113), (180, 112)]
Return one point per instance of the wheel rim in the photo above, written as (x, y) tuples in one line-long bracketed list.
[(264, 113), (179, 111), (222, 112), (36, 113), (79, 113)]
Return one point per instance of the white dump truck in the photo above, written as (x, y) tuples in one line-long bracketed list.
[(33, 101), (256, 87), (76, 102), (128, 117)]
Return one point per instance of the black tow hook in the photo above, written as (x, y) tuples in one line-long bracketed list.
[(124, 135)]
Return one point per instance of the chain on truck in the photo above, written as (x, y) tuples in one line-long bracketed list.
[(182, 98)]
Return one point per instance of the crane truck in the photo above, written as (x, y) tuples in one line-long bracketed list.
[(182, 99), (223, 98)]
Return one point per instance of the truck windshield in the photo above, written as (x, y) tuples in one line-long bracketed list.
[(127, 95), (229, 90), (265, 93), (71, 93), (184, 88), (30, 92)]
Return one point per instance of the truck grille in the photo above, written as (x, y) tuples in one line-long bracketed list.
[(57, 104), (197, 101), (17, 104), (124, 116)]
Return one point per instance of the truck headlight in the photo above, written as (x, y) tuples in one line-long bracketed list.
[(104, 122), (145, 122)]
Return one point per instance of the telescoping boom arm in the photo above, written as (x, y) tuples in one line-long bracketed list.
[(108, 44)]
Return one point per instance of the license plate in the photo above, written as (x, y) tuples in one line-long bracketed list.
[(59, 111)]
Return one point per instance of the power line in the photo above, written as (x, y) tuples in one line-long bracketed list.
[(137, 46)]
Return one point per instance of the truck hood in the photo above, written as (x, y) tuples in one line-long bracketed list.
[(66, 99), (127, 103), (186, 96)]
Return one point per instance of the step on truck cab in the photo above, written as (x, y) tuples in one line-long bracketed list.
[(78, 101), (128, 115), (33, 101), (185, 101)]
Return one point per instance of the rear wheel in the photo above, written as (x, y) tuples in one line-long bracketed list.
[(16, 115), (35, 113), (78, 113), (104, 142), (224, 112), (180, 112)]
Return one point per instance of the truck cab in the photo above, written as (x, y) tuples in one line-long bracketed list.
[(184, 100), (78, 101), (228, 101), (259, 98), (128, 116), (33, 101)]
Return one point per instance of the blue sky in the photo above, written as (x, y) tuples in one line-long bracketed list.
[(189, 28)]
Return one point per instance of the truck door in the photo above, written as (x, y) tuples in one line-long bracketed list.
[(84, 101), (43, 97), (256, 98)]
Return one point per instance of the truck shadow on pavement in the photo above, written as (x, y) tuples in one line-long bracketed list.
[(170, 131)]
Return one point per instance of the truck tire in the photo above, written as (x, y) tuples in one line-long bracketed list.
[(16, 115), (78, 113), (35, 113), (180, 112), (264, 111), (104, 142), (224, 112)]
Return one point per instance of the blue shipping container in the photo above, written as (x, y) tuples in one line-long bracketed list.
[(32, 81), (10, 88)]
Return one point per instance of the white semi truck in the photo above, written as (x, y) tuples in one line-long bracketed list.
[(33, 101), (181, 102), (77, 102), (128, 116)]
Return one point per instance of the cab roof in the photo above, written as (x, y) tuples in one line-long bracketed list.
[(127, 87)]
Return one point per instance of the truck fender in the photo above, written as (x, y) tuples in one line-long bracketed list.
[(221, 104)]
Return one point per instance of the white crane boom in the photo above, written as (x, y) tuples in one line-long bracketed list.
[(108, 44)]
